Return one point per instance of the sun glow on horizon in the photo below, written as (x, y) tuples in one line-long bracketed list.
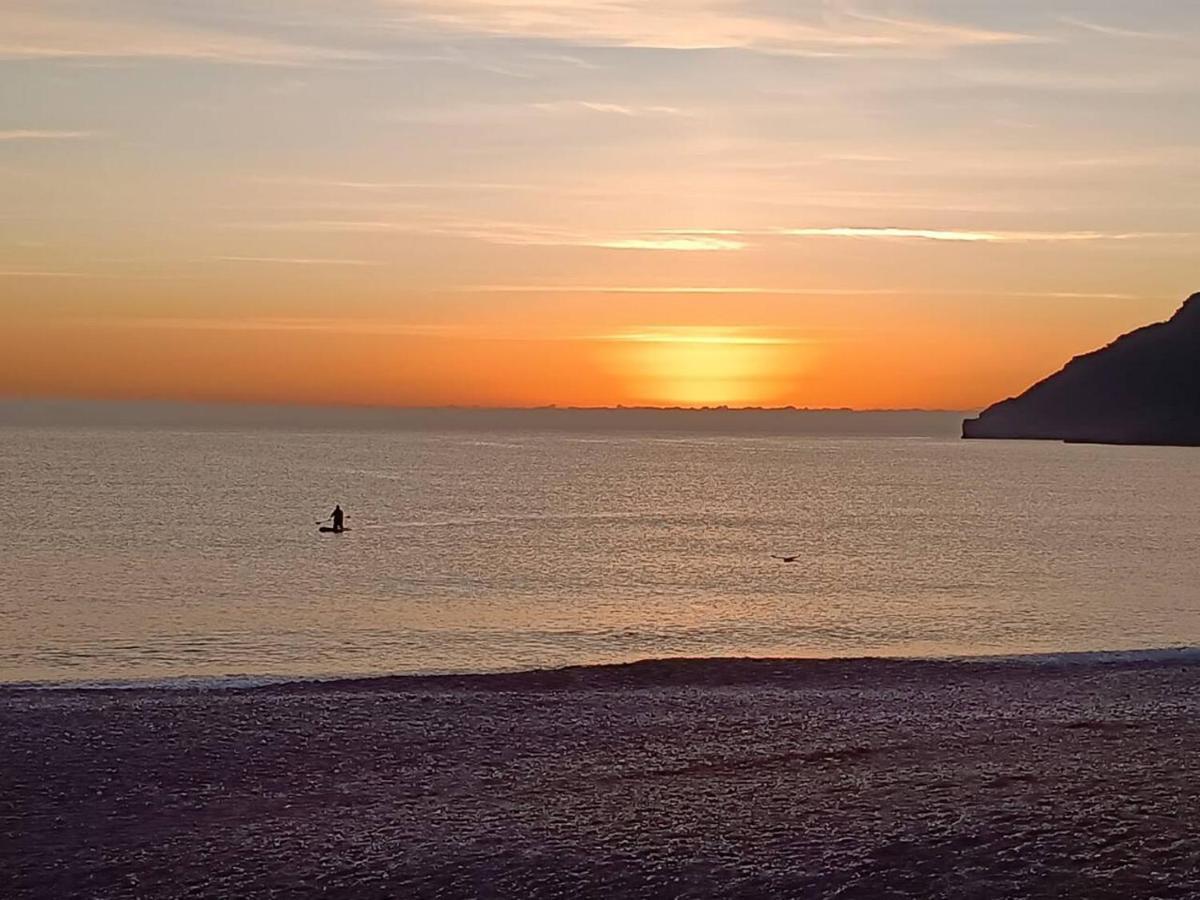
[(682, 366)]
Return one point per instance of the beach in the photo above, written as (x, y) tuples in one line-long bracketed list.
[(1038, 777)]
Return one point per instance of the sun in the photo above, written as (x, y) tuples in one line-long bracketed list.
[(702, 366)]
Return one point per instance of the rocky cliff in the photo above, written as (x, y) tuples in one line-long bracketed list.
[(1143, 388)]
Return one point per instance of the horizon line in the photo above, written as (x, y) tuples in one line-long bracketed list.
[(460, 407)]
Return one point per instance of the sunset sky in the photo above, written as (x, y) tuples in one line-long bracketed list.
[(867, 203)]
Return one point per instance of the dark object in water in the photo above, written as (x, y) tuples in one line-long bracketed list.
[(329, 529), (1143, 388)]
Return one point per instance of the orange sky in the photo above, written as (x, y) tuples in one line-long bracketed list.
[(500, 202), (864, 352)]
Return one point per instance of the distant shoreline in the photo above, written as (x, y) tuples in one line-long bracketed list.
[(147, 403), (772, 420)]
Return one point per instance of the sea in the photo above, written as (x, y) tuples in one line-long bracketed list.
[(149, 543)]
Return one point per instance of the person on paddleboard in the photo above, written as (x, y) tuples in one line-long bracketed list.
[(337, 517)]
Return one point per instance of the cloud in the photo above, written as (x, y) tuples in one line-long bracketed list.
[(360, 185), (619, 109), (910, 233), (622, 289), (251, 323), (33, 32), (297, 260), (931, 234), (700, 239), (144, 30), (1116, 32), (565, 59), (700, 335), (691, 239), (505, 114), (989, 237), (32, 273), (692, 231), (789, 291), (863, 158), (685, 244), (505, 233), (508, 233), (832, 29), (38, 134)]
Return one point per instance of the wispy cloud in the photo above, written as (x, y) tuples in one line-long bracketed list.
[(684, 244), (41, 134), (621, 289), (1118, 32), (144, 29), (505, 113), (565, 59), (32, 31), (702, 231), (35, 273), (989, 237), (431, 185), (619, 109), (963, 236), (298, 260), (689, 239), (790, 291), (831, 29), (863, 158), (282, 324), (669, 334), (507, 233), (922, 234)]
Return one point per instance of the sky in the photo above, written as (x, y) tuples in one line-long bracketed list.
[(819, 203)]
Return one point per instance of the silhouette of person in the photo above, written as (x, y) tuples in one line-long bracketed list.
[(337, 517)]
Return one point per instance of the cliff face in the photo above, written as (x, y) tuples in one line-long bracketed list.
[(1144, 388)]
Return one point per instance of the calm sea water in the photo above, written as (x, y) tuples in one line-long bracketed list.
[(147, 553)]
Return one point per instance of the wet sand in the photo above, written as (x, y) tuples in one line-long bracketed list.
[(857, 779)]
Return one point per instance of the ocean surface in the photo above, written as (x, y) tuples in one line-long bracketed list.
[(176, 551)]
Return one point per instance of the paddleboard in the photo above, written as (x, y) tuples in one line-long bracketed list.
[(329, 529)]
